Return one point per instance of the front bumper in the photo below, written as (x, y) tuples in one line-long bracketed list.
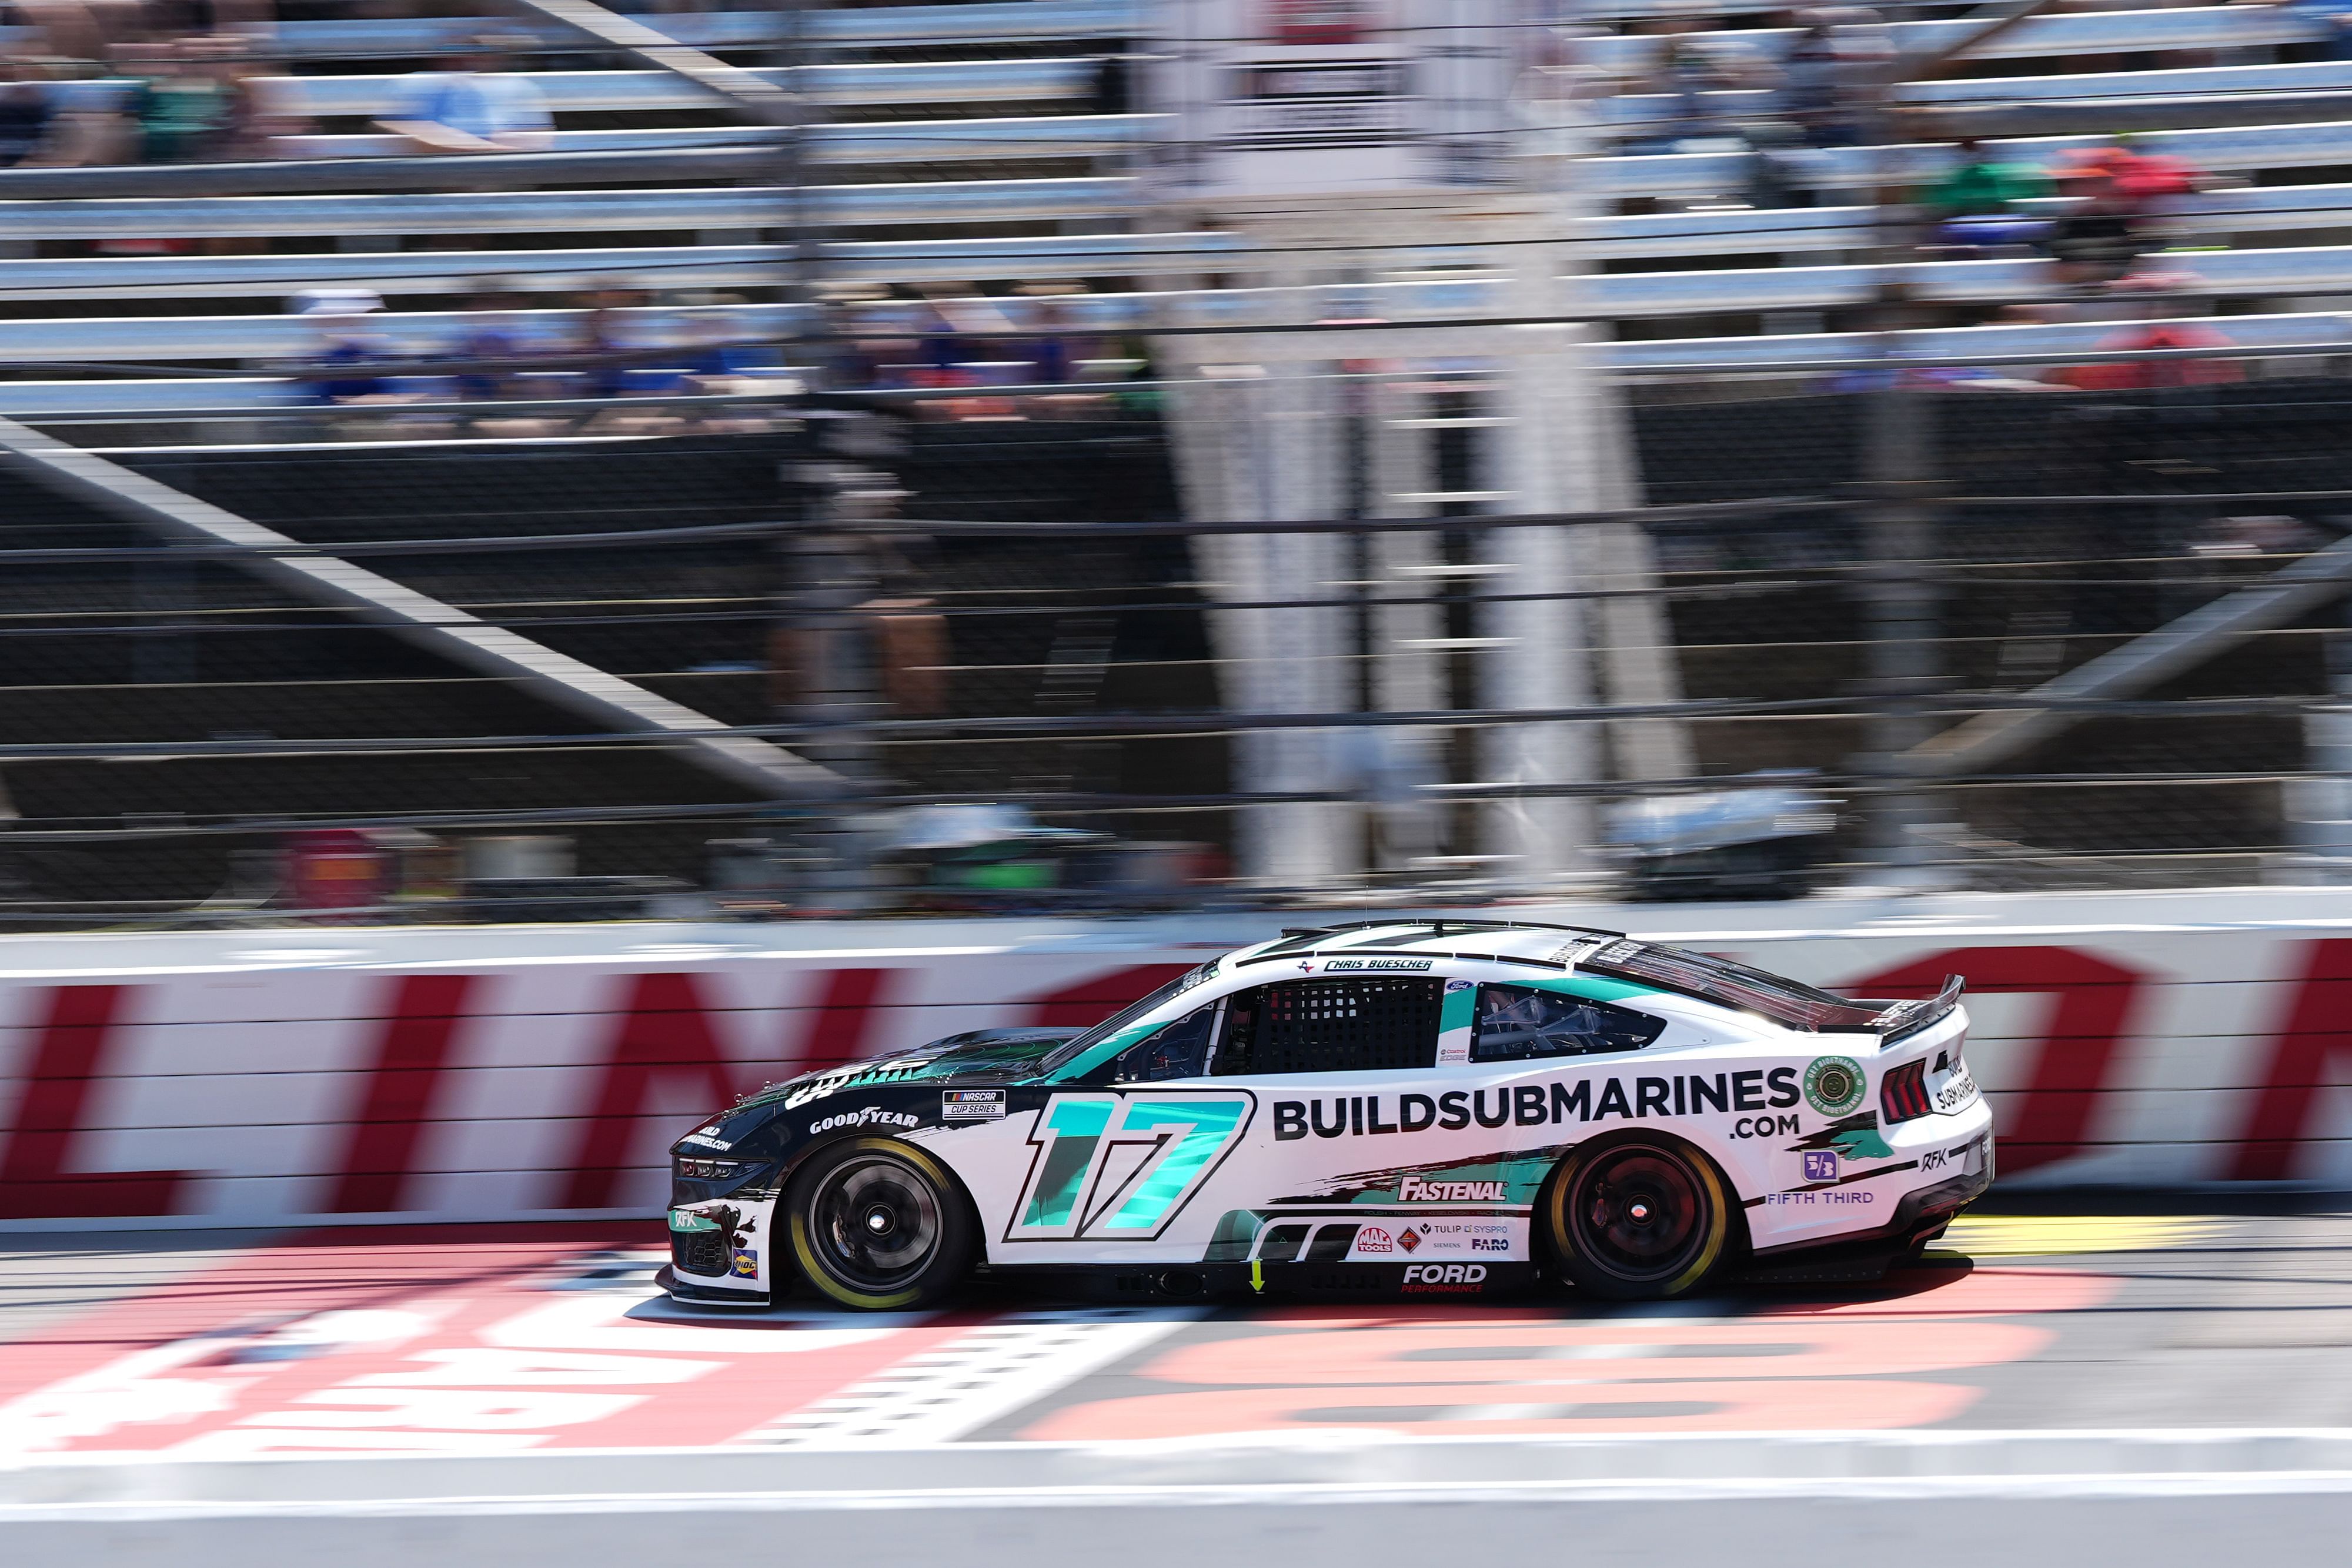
[(685, 1290)]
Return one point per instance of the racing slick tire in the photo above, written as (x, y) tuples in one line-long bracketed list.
[(1640, 1218), (879, 1225)]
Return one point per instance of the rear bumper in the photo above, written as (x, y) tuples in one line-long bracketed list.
[(1919, 1215)]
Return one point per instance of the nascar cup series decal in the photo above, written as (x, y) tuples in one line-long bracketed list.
[(971, 1104)]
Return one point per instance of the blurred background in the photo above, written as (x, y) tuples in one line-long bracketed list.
[(536, 461)]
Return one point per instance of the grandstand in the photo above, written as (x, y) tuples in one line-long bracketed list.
[(992, 167), (996, 147)]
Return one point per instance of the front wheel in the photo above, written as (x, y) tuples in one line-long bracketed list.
[(1644, 1220), (879, 1224)]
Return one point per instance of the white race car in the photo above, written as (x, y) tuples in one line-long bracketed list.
[(1455, 1107)]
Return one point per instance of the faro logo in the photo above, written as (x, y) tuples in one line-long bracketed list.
[(1489, 1244)]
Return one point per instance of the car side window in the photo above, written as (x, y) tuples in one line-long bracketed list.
[(1352, 1025), (1179, 1050), (1518, 1022)]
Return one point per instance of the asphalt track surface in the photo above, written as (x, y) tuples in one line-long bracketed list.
[(2167, 1321)]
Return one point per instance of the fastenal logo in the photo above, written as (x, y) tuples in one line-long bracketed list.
[(1412, 1190), (1833, 1085)]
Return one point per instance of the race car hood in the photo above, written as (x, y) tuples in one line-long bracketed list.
[(982, 1056)]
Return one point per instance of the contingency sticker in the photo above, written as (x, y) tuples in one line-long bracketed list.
[(1456, 1018)]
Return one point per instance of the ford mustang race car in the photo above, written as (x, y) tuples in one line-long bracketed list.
[(1423, 1108)]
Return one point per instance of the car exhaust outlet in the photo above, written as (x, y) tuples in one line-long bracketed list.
[(1181, 1282)]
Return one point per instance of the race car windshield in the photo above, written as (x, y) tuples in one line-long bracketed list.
[(1784, 1001), (1128, 1015)]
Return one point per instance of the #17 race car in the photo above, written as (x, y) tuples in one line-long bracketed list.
[(1412, 1108)]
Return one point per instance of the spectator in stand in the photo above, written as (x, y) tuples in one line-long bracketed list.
[(2335, 19), (176, 18), (944, 352), (2117, 195), (1979, 203), (25, 114), (1691, 72), (1050, 362), (344, 369), (606, 336), (2158, 299), (73, 37), (182, 107), (473, 104), (1838, 51), (492, 336)]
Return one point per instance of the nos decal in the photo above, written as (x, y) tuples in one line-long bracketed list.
[(1113, 1166)]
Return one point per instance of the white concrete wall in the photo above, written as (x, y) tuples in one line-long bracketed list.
[(349, 1074)]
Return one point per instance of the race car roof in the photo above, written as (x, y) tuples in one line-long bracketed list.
[(1509, 941), (1790, 1003)]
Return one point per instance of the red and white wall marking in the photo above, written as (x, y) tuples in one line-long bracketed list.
[(337, 1073)]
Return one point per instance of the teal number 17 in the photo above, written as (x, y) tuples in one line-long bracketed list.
[(1074, 1138)]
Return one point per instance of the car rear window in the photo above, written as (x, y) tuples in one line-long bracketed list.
[(1785, 1001)]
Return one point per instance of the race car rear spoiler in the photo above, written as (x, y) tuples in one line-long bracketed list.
[(1903, 1019)]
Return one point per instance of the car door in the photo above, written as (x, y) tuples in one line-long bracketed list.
[(1115, 1166), (1345, 1068)]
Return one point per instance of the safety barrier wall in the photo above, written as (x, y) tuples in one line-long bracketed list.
[(345, 1074)]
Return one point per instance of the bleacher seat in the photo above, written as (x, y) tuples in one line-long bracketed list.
[(954, 230)]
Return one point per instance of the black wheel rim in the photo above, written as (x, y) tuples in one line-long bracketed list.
[(1637, 1214), (875, 1223)]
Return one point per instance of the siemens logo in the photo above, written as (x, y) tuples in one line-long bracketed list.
[(1537, 1105)]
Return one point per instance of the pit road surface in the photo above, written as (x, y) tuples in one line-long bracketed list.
[(500, 1339)]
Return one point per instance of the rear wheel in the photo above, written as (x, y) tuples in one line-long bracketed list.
[(1643, 1219), (879, 1224)]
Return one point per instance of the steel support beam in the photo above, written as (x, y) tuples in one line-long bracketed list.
[(310, 573), (758, 99), (2144, 662), (1934, 62)]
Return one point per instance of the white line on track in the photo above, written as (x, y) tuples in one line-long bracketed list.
[(979, 1377)]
